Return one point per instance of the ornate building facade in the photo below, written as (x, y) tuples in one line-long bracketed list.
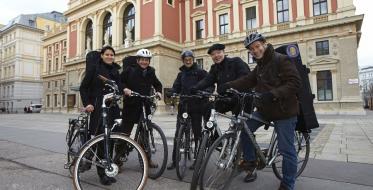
[(326, 31)]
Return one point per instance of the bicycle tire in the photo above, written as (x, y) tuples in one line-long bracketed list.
[(305, 136), (113, 136)]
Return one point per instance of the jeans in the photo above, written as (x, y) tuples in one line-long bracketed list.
[(285, 136)]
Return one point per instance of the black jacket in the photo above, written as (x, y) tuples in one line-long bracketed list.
[(139, 80), (187, 78), (92, 90), (228, 70)]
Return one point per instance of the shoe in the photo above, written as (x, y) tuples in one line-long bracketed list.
[(251, 176), (152, 164), (112, 180), (171, 166), (283, 187), (105, 180)]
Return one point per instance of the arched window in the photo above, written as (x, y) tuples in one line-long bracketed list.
[(129, 21), (89, 35), (107, 30)]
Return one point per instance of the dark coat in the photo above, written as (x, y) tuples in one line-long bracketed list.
[(187, 78), (282, 80), (138, 80), (92, 90), (228, 70)]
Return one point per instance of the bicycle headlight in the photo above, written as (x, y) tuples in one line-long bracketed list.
[(185, 115), (150, 116), (209, 124)]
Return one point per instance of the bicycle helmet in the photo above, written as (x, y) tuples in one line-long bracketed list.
[(144, 53), (253, 37), (187, 53)]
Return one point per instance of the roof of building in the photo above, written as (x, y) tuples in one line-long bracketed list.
[(30, 19), (367, 68)]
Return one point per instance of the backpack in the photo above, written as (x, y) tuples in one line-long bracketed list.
[(129, 61), (92, 59), (307, 117)]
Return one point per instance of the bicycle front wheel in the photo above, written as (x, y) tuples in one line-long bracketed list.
[(220, 165), (203, 148), (302, 146), (128, 172), (184, 151)]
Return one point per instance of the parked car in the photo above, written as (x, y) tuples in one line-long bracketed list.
[(2, 109), (34, 108)]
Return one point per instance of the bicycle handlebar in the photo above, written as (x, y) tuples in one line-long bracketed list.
[(136, 94)]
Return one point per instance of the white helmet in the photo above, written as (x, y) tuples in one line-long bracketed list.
[(144, 53)]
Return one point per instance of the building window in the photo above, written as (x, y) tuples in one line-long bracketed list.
[(55, 100), (322, 48), (170, 2), (31, 23), (324, 86), (49, 84), (107, 33), (57, 47), (56, 68), (63, 82), (49, 66), (320, 7), (55, 84), (64, 44), (250, 18), (49, 49), (199, 2), (199, 29), (282, 11), (129, 22), (64, 59), (48, 100), (63, 99), (89, 35), (200, 63), (223, 24)]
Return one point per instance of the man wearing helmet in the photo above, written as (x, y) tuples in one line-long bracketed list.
[(278, 80), (188, 76), (139, 78)]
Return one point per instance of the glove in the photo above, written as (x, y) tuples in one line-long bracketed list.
[(193, 90), (267, 98), (222, 89)]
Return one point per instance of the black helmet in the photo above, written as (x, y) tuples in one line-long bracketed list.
[(253, 37), (186, 53)]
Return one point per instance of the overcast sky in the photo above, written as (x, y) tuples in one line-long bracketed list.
[(12, 8)]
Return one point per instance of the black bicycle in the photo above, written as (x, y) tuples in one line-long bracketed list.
[(186, 147), (103, 151), (77, 135), (151, 137), (210, 133), (221, 163)]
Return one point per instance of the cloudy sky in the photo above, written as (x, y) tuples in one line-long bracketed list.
[(10, 9)]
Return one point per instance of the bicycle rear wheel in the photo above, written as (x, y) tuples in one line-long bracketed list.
[(217, 171), (129, 174), (156, 149), (75, 139), (302, 146)]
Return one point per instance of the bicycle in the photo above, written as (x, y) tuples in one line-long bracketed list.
[(186, 148), (151, 137), (228, 156), (77, 135), (210, 133), (101, 151)]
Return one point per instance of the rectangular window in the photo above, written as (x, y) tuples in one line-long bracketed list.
[(56, 68), (322, 48), (282, 11), (63, 99), (63, 82), (64, 44), (64, 59), (250, 18), (199, 2), (199, 63), (55, 83), (55, 100), (170, 2), (49, 84), (223, 24), (320, 7), (324, 86), (48, 101), (199, 29)]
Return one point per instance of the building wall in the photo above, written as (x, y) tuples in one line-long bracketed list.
[(167, 30)]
